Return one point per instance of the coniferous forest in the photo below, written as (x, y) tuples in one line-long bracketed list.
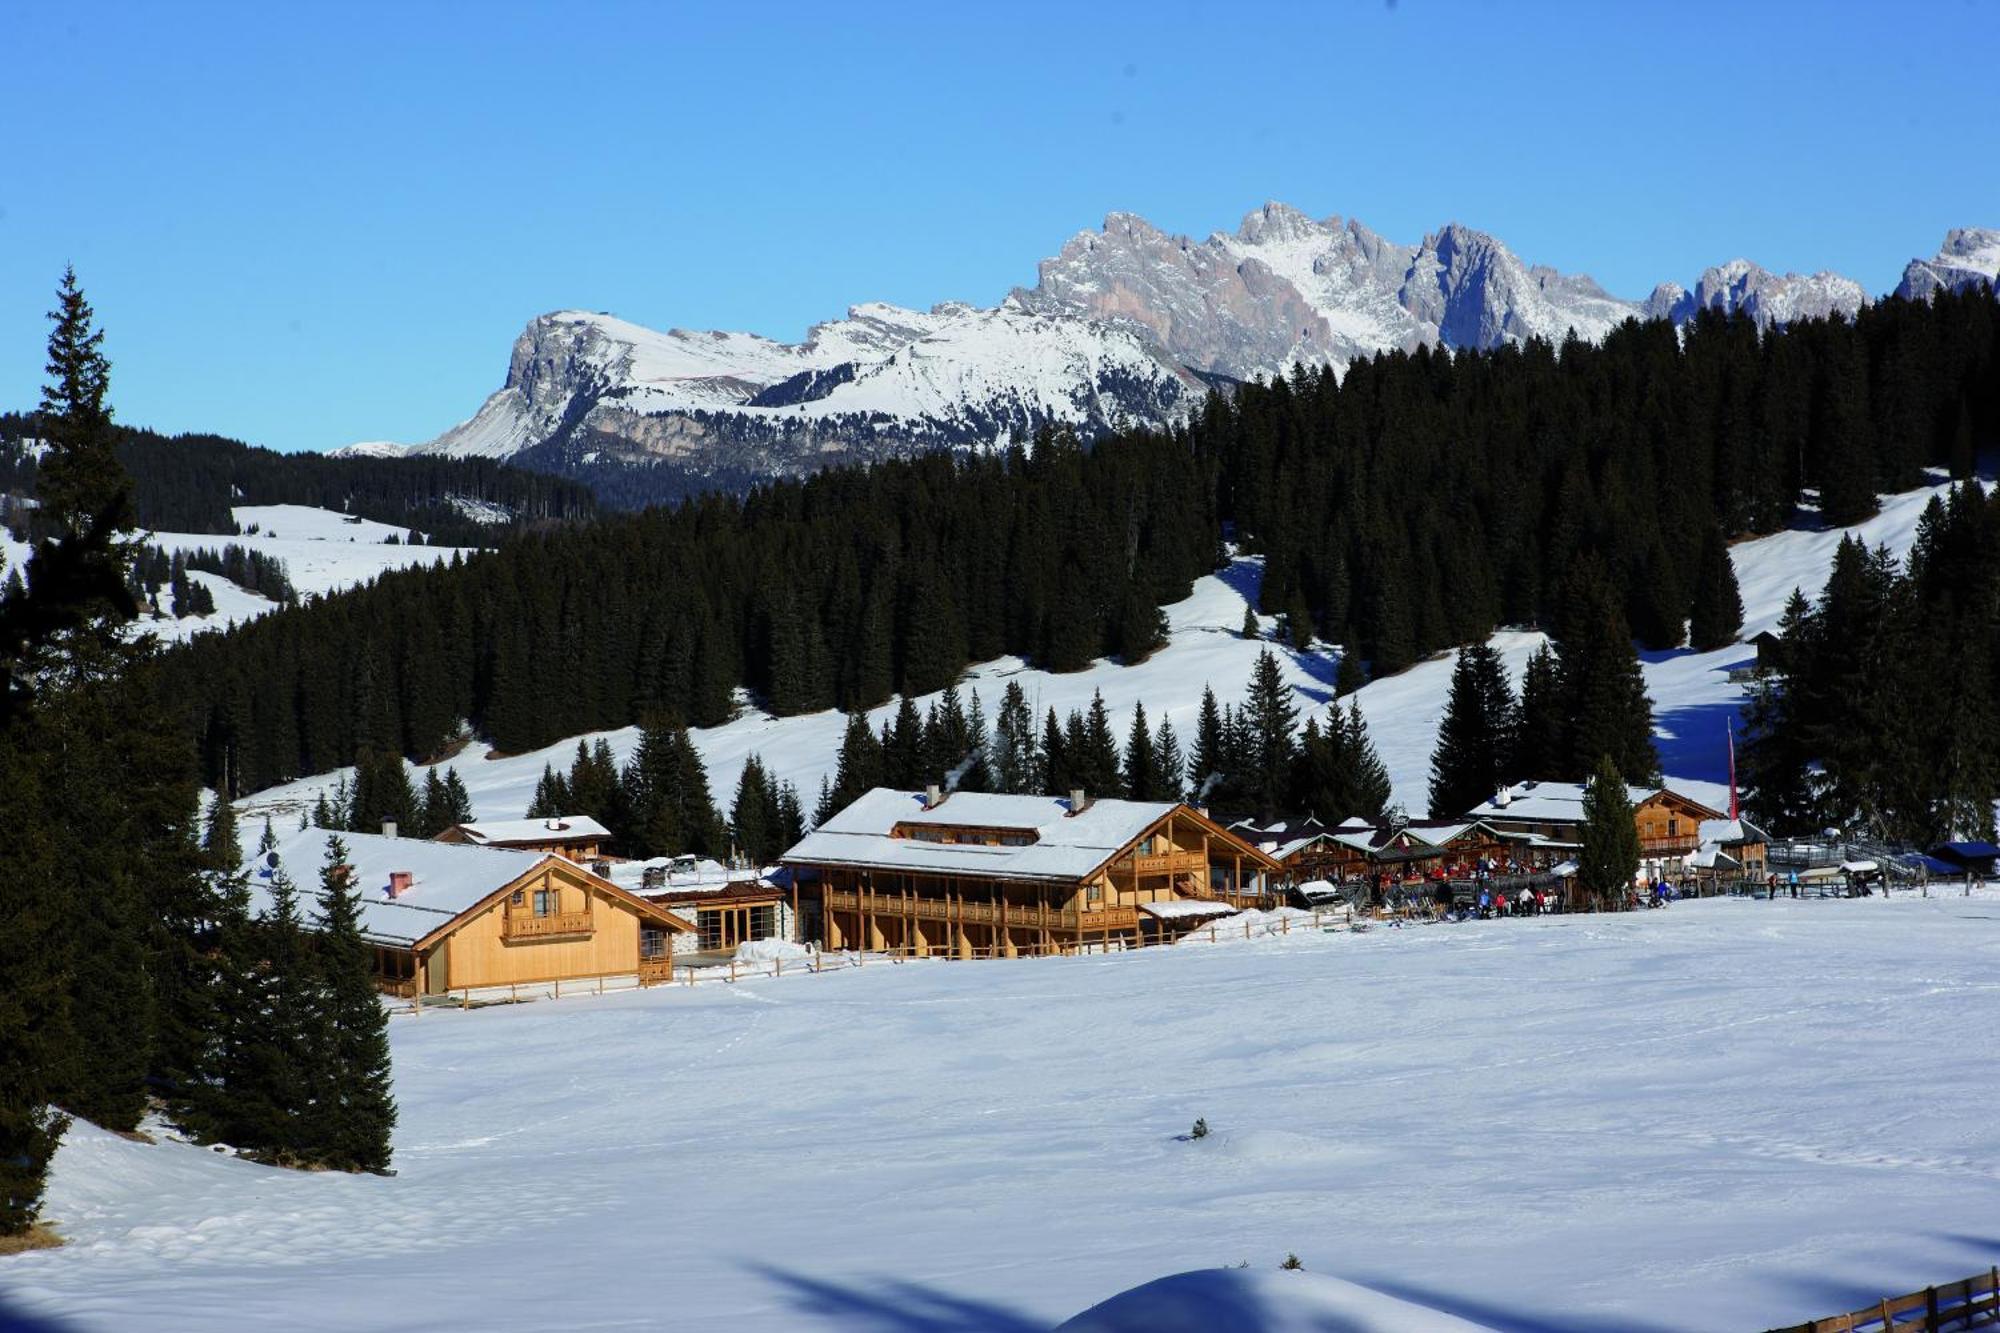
[(136, 979), (1408, 506)]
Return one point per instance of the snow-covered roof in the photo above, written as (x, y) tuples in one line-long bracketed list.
[(1053, 844), (446, 878), (1730, 832), (1558, 802), (561, 828)]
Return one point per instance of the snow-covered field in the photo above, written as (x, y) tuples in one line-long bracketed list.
[(1726, 1115), (1693, 698)]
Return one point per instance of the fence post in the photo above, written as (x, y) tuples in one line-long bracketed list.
[(1284, 925), (778, 967), (732, 969), (1211, 933), (558, 988)]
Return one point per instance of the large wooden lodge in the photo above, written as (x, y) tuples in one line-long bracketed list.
[(975, 874)]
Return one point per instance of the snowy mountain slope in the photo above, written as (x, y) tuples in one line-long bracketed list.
[(1114, 331), (1969, 255), (1694, 700), (952, 376), (1727, 1115)]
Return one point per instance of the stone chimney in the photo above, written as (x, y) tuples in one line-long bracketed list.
[(1079, 800), (933, 796), (399, 882), (1503, 797), (388, 828)]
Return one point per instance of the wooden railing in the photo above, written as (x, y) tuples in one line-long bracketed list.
[(1169, 863), (525, 926), (1031, 916), (1973, 1303), (1684, 842)]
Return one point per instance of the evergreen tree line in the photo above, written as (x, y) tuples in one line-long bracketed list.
[(840, 590), (381, 792), (1423, 498), (189, 483), (109, 925), (253, 571), (293, 1068), (1409, 506), (1249, 760), (1582, 703), (1881, 715)]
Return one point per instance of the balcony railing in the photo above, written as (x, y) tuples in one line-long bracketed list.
[(1169, 863), (525, 926), (1679, 844), (1029, 915)]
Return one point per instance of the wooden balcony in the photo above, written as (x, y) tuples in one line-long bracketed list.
[(1680, 845), (1027, 916), (526, 926), (1170, 863)]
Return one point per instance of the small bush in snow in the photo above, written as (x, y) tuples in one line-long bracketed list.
[(1291, 1263), (1200, 1130)]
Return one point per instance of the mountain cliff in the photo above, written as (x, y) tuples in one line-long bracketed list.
[(1125, 325)]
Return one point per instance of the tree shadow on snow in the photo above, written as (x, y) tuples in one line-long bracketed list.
[(15, 1321), (892, 1306), (1693, 740), (1503, 1320)]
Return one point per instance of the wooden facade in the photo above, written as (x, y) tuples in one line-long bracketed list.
[(920, 910), (558, 922)]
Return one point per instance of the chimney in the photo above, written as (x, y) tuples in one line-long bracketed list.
[(933, 796), (399, 882), (1079, 800), (1503, 796), (388, 828), (556, 825)]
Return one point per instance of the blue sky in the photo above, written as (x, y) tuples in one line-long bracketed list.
[(308, 225)]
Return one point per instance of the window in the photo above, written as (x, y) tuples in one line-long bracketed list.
[(547, 902), (1093, 892), (519, 896)]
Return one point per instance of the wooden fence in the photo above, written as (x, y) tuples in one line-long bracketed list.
[(1973, 1303)]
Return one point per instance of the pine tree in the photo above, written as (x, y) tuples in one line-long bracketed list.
[(1094, 763), (219, 841), (1610, 856), (1170, 762), (1348, 676), (903, 749), (1542, 743), (1058, 777), (1142, 775), (1271, 718), (431, 806), (1209, 762), (1017, 757), (268, 840), (276, 1026), (34, 1017), (80, 483), (755, 818), (1717, 614), (1606, 710), (1251, 629), (1369, 777), (1476, 740), (354, 1109), (860, 768)]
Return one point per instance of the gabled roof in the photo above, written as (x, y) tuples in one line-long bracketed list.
[(1731, 832), (447, 880), (1055, 844), (1971, 851), (1562, 802), (562, 828)]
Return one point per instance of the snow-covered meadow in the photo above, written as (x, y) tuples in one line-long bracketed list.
[(1693, 698), (1726, 1115)]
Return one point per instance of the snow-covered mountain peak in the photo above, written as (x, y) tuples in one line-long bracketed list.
[(1968, 257)]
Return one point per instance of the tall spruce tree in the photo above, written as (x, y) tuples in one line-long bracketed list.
[(353, 1106), (860, 767), (1606, 711), (1170, 763), (1610, 855), (1017, 756), (1142, 773), (1475, 751), (1271, 719), (1717, 613), (1542, 741)]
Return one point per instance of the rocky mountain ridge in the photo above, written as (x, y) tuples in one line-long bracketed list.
[(1126, 325)]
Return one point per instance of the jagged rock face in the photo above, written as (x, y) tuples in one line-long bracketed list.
[(1126, 325), (1764, 296), (1968, 257)]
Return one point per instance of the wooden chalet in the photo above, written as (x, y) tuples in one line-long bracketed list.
[(1731, 850), (1669, 823), (451, 917), (579, 837), (973, 874)]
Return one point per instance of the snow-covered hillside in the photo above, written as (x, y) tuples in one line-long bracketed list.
[(1726, 1115), (323, 551), (1693, 698), (1120, 328)]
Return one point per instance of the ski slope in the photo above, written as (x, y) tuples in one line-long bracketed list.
[(1693, 698), (1726, 1115)]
